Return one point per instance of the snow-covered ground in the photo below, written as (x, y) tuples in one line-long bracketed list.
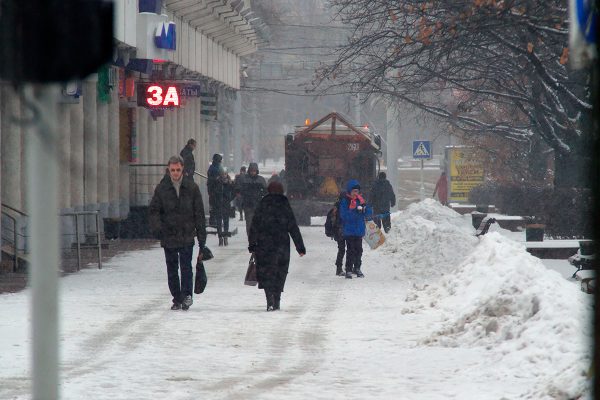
[(441, 314)]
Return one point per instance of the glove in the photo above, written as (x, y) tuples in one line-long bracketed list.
[(252, 248)]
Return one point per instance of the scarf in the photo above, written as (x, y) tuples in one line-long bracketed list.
[(353, 204)]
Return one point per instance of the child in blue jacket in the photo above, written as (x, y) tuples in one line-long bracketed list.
[(353, 212)]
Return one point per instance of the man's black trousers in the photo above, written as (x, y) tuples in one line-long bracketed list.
[(180, 257), (387, 224)]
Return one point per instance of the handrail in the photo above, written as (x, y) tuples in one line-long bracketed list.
[(76, 214), (15, 238), (14, 209)]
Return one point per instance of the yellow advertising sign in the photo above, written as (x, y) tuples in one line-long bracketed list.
[(466, 172)]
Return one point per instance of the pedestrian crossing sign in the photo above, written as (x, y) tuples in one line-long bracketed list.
[(421, 149)]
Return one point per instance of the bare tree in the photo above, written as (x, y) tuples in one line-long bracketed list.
[(486, 66)]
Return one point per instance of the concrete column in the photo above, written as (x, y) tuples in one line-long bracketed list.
[(113, 155), (153, 172), (90, 150), (11, 148), (172, 134), (77, 162), (180, 130), (237, 132), (167, 124), (102, 162), (125, 171), (64, 151), (393, 146), (140, 181), (160, 141)]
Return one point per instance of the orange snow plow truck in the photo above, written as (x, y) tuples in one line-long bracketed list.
[(321, 157)]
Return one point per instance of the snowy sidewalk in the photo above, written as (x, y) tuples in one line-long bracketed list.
[(433, 319)]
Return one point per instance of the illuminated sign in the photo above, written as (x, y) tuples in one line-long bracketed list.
[(158, 95), (166, 36)]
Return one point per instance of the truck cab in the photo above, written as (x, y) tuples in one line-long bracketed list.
[(321, 157)]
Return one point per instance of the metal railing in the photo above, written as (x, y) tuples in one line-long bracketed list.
[(15, 233), (76, 215)]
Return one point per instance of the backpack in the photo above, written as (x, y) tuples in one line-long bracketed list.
[(332, 221)]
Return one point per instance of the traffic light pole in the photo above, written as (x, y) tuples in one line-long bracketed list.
[(42, 199)]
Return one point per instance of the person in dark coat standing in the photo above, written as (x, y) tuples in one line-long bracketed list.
[(237, 183), (353, 212), (441, 188), (176, 216), (252, 189), (189, 164), (223, 196), (382, 199), (211, 185), (272, 225), (338, 236)]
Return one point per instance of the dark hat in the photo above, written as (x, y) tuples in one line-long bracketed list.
[(217, 158), (275, 188), (253, 167), (382, 175)]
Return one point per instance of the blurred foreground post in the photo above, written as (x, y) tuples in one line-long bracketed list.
[(42, 199)]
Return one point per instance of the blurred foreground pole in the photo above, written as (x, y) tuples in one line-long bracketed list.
[(42, 199)]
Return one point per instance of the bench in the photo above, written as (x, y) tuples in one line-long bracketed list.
[(553, 249)]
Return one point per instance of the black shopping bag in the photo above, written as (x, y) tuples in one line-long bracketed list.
[(250, 279), (201, 279)]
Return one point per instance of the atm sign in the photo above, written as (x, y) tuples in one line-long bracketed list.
[(157, 95)]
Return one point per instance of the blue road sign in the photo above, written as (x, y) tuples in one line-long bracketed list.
[(421, 149)]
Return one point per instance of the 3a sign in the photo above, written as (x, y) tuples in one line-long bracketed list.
[(158, 95)]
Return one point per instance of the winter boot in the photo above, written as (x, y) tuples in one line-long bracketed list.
[(339, 271), (270, 300), (176, 306), (348, 274), (225, 241), (220, 240), (276, 300), (187, 302), (359, 273)]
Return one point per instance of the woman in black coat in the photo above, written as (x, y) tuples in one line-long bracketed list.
[(269, 239)]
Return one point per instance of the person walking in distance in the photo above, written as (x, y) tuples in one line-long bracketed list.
[(441, 188), (211, 184), (237, 183), (272, 225), (187, 154), (223, 196), (253, 188), (382, 199), (176, 216), (353, 212), (338, 236)]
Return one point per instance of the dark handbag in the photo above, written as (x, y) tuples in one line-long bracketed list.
[(207, 254), (201, 278), (250, 279)]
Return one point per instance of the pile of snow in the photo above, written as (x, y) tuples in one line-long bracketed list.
[(428, 240), (489, 292)]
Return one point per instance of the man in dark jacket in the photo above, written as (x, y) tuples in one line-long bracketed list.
[(269, 239), (187, 153), (252, 189), (338, 236), (211, 185), (382, 199), (176, 216)]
